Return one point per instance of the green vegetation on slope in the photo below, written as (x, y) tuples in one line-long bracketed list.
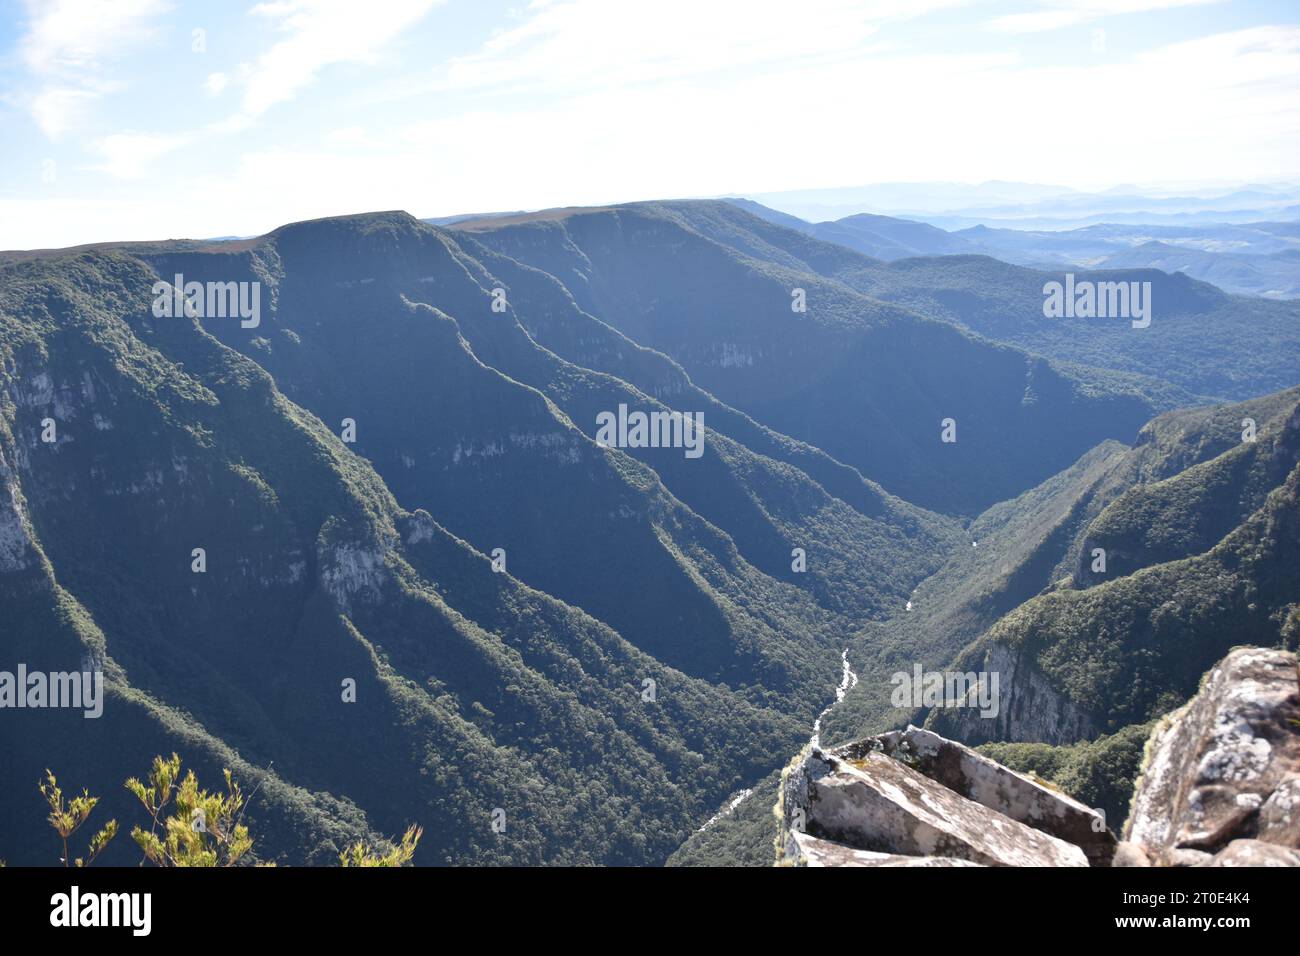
[(1100, 773), (472, 692), (867, 382)]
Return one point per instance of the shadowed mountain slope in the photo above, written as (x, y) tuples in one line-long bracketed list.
[(472, 691), (1202, 342), (869, 383)]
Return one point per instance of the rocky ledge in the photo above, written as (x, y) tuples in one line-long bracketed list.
[(1220, 786)]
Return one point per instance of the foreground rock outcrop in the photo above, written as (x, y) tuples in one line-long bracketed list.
[(1220, 786), (913, 798)]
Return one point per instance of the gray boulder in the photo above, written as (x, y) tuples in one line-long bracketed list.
[(1255, 853), (879, 804), (990, 784), (808, 850), (1226, 767), (1135, 854)]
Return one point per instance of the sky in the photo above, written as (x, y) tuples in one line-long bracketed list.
[(152, 119)]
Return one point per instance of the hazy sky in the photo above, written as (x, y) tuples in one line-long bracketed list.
[(129, 119)]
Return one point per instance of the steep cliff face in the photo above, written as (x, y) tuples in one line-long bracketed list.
[(233, 560), (1029, 706), (16, 552)]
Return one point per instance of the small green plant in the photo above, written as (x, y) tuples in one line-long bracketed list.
[(190, 826), (203, 829), (399, 855), (67, 820)]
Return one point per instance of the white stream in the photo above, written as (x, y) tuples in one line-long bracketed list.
[(848, 679)]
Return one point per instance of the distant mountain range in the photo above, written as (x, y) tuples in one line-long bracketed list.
[(1036, 206), (1247, 258)]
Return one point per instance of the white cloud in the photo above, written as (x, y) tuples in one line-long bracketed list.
[(215, 83), (57, 108), (1174, 113), (1039, 21), (66, 47), (349, 138), (654, 110), (128, 155), (1064, 13), (587, 44), (318, 34)]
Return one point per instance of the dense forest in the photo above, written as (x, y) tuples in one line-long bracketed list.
[(369, 558)]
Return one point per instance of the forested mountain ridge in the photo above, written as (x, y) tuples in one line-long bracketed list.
[(803, 352), (396, 476), (182, 433), (456, 396), (472, 691)]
